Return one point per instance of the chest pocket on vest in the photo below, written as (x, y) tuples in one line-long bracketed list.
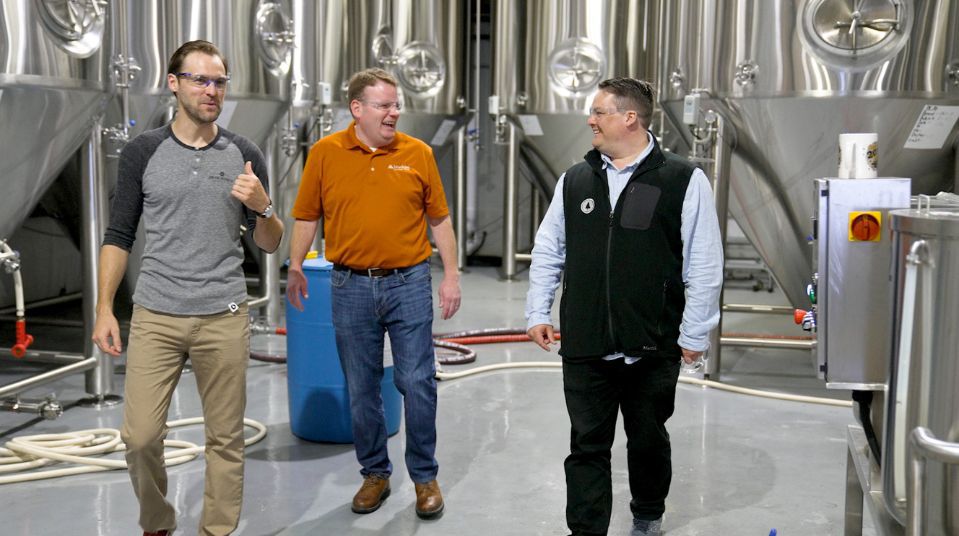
[(639, 205)]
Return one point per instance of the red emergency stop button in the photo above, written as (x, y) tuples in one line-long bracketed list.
[(865, 226)]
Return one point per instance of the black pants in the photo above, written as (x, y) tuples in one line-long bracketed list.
[(596, 391)]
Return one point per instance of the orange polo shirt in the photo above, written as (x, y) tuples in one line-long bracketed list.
[(373, 203)]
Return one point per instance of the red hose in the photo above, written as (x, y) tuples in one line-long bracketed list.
[(492, 339)]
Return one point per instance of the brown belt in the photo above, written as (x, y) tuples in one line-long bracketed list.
[(368, 272)]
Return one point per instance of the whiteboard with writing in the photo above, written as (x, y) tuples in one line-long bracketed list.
[(933, 126)]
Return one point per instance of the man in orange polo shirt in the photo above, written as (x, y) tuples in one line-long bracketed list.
[(377, 190)]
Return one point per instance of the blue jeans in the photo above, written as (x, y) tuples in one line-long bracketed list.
[(364, 308)]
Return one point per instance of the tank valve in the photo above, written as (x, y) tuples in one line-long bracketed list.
[(677, 79), (806, 319), (48, 408), (746, 73), (952, 70), (24, 339)]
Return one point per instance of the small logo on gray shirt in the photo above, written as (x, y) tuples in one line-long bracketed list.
[(222, 176)]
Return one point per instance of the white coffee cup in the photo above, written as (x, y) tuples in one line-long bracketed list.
[(858, 155)]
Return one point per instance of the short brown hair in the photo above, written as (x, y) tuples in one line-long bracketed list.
[(364, 79), (206, 47), (631, 94)]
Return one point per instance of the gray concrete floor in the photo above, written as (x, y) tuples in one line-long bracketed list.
[(742, 465)]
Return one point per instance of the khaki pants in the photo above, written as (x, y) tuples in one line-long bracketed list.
[(218, 347)]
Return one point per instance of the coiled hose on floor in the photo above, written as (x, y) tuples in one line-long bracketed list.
[(31, 452)]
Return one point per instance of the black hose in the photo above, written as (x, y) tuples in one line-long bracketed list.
[(864, 400)]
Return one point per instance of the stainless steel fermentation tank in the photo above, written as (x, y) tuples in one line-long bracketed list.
[(549, 56), (51, 89), (789, 77), (925, 366)]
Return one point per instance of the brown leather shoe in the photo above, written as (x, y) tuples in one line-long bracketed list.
[(429, 500), (373, 492)]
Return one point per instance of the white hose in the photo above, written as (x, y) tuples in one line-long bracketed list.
[(29, 452), (440, 375), (6, 252)]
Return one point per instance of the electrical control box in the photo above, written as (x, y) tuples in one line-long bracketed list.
[(852, 291)]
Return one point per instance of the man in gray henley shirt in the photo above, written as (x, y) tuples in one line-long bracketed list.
[(194, 184)]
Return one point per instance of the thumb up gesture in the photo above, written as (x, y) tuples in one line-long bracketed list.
[(249, 190)]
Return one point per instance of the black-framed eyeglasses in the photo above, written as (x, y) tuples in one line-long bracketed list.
[(201, 80), (385, 106)]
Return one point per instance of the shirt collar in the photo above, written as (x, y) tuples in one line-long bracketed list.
[(352, 140), (607, 161)]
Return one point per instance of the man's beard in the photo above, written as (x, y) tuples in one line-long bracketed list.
[(198, 117)]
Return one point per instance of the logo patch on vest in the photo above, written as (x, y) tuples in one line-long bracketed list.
[(588, 205)]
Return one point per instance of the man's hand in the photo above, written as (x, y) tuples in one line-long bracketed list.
[(249, 190), (450, 296), (690, 356), (106, 334), (542, 335), (296, 287)]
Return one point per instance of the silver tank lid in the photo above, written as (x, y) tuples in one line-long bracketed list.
[(937, 221)]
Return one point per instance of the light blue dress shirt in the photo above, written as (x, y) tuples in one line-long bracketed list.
[(702, 255)]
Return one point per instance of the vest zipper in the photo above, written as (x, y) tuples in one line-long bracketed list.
[(662, 310), (609, 273)]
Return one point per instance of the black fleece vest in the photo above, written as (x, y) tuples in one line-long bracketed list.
[(623, 289)]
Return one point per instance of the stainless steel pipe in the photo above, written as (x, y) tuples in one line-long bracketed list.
[(509, 203), (15, 388), (459, 192), (99, 379), (757, 308), (923, 445), (762, 342), (721, 153)]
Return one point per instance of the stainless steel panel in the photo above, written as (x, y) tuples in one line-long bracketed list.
[(790, 88), (925, 366), (853, 293), (51, 88)]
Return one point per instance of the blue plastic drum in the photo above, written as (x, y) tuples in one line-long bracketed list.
[(318, 396)]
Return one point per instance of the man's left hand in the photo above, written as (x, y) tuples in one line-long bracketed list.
[(690, 356), (450, 296), (249, 190)]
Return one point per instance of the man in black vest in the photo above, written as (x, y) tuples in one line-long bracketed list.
[(634, 233)]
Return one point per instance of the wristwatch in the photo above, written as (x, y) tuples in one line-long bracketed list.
[(267, 212)]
